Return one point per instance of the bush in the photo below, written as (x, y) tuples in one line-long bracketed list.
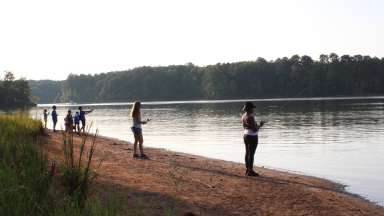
[(27, 182), (77, 174)]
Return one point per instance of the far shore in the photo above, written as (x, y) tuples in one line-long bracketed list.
[(173, 183), (202, 101)]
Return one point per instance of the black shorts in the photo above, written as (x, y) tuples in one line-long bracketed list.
[(251, 140)]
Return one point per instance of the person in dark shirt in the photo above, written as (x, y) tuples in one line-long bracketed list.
[(68, 122), (54, 117), (76, 119), (82, 114)]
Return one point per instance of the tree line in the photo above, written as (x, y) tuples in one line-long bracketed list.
[(14, 93), (297, 76)]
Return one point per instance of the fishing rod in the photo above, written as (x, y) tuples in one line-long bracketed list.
[(285, 104)]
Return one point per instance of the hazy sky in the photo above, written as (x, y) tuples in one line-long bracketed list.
[(48, 39)]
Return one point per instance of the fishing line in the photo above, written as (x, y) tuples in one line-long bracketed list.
[(285, 104)]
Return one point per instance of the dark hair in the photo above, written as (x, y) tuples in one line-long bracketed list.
[(248, 106), (80, 108), (54, 107)]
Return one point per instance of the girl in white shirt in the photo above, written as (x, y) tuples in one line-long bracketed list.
[(251, 139), (137, 130)]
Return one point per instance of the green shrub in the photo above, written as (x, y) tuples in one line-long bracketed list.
[(76, 170), (27, 182)]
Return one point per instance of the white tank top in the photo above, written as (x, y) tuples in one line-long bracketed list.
[(250, 132), (136, 123)]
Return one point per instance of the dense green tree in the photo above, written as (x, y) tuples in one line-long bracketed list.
[(14, 93), (46, 91), (324, 59), (297, 76)]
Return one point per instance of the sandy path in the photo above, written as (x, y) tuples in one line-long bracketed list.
[(177, 183)]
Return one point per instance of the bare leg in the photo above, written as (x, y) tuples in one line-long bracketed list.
[(135, 145), (83, 125), (141, 141)]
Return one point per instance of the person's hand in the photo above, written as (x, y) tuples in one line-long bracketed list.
[(146, 121), (262, 123)]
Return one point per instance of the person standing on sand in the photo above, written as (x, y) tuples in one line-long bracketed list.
[(137, 131), (45, 114), (68, 122), (82, 117), (54, 117), (251, 139), (76, 119)]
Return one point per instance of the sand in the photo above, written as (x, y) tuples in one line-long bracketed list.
[(172, 183)]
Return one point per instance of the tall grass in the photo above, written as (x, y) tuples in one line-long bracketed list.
[(24, 180), (28, 185), (77, 174)]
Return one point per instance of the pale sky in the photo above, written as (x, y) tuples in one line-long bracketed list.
[(48, 39)]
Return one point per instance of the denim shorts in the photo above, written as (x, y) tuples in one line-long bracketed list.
[(136, 131)]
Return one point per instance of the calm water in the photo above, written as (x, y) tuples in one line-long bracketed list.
[(342, 140)]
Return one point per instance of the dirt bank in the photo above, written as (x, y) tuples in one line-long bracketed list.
[(175, 183)]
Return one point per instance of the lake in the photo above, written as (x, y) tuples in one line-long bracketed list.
[(341, 139)]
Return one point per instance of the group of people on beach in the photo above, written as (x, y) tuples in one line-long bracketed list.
[(250, 125), (71, 123)]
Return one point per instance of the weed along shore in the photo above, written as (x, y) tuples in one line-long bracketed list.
[(32, 184), (171, 183)]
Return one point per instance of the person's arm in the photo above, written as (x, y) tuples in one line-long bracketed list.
[(89, 111), (260, 125), (145, 122), (137, 119)]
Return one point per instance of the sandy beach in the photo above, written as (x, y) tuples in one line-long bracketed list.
[(172, 183)]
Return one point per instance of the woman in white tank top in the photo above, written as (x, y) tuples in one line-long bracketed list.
[(137, 130), (251, 139)]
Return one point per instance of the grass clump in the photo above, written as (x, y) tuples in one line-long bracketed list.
[(77, 174), (28, 184), (24, 182)]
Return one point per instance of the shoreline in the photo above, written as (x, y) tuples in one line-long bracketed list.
[(340, 185), (191, 183)]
